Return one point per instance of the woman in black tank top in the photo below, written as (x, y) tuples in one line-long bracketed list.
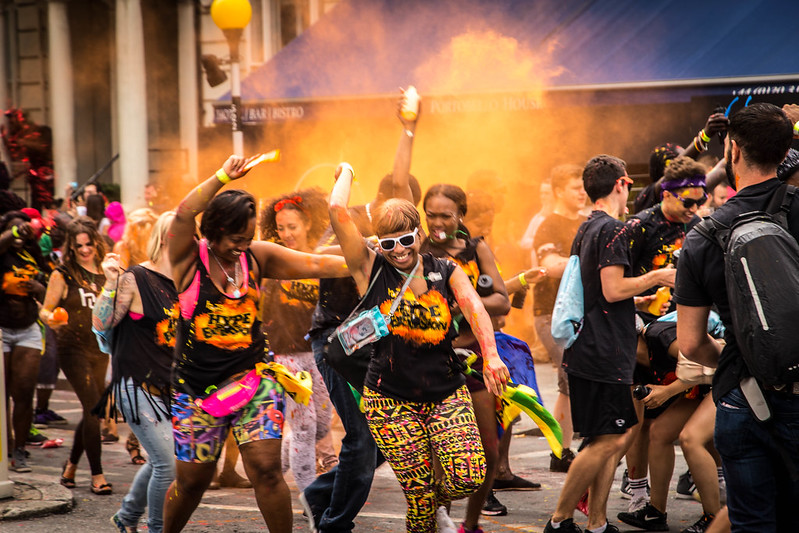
[(219, 338), (138, 309), (75, 286), (414, 398)]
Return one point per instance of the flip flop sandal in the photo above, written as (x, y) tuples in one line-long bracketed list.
[(102, 490), (138, 459), (68, 482)]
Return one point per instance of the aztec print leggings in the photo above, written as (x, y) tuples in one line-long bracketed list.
[(409, 434)]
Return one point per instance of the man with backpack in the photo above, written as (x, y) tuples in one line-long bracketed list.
[(753, 282), (600, 362)]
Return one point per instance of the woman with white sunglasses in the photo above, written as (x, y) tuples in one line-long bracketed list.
[(415, 399)]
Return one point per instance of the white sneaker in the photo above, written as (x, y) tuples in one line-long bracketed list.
[(445, 523), (308, 513)]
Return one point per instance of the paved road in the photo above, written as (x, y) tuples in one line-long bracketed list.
[(235, 510)]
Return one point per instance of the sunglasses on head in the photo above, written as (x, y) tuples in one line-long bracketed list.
[(388, 243), (688, 203), (627, 180)]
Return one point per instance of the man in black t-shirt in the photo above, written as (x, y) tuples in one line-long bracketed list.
[(761, 496), (552, 243), (600, 362)]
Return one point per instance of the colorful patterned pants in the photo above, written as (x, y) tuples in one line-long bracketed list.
[(411, 434)]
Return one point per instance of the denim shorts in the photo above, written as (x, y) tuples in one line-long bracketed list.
[(30, 337), (200, 437)]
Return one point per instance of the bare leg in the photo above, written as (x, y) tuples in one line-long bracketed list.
[(720, 524), (185, 493), (563, 414), (591, 464), (665, 429), (698, 431), (503, 462), (262, 464), (22, 371), (228, 477)]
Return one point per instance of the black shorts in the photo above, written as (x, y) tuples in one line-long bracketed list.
[(601, 408)]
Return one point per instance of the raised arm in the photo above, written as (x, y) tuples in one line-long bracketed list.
[(716, 123), (120, 295), (358, 256), (401, 172), (495, 373), (182, 245)]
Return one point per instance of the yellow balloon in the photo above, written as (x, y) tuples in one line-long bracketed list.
[(231, 14)]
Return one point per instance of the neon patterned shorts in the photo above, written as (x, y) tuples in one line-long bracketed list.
[(199, 437)]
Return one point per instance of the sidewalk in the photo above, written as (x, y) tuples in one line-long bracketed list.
[(34, 497)]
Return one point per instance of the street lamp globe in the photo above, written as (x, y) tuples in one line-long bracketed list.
[(231, 14)]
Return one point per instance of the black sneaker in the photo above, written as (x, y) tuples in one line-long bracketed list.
[(35, 438), (686, 486), (493, 507), (567, 526), (701, 525), (562, 464), (648, 518)]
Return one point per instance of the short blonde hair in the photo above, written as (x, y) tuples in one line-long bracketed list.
[(158, 237), (395, 215)]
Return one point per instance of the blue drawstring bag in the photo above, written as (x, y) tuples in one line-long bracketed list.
[(569, 310)]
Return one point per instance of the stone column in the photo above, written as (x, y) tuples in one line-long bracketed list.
[(131, 103), (187, 85), (62, 96)]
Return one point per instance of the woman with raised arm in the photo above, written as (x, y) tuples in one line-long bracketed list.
[(220, 340), (415, 400), (138, 307), (75, 287)]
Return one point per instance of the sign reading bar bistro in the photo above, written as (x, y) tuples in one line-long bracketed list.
[(260, 113)]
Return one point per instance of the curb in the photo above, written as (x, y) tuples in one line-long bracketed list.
[(35, 498)]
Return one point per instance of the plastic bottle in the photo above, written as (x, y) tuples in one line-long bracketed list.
[(485, 285), (661, 297), (410, 104), (641, 391)]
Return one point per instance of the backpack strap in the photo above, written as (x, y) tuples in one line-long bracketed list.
[(714, 231), (780, 204)]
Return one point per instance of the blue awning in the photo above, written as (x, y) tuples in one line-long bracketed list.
[(372, 47)]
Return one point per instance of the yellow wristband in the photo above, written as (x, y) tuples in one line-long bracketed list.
[(523, 280), (796, 129), (704, 136), (110, 294), (222, 176), (15, 231)]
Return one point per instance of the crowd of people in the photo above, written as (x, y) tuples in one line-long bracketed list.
[(217, 339)]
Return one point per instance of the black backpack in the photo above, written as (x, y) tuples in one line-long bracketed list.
[(761, 267)]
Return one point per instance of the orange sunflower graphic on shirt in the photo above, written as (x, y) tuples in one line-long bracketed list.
[(423, 319), (227, 325)]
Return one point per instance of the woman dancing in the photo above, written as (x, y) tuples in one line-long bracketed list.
[(297, 221), (415, 400), (220, 339)]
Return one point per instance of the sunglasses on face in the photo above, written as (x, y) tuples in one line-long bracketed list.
[(388, 243), (688, 203)]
